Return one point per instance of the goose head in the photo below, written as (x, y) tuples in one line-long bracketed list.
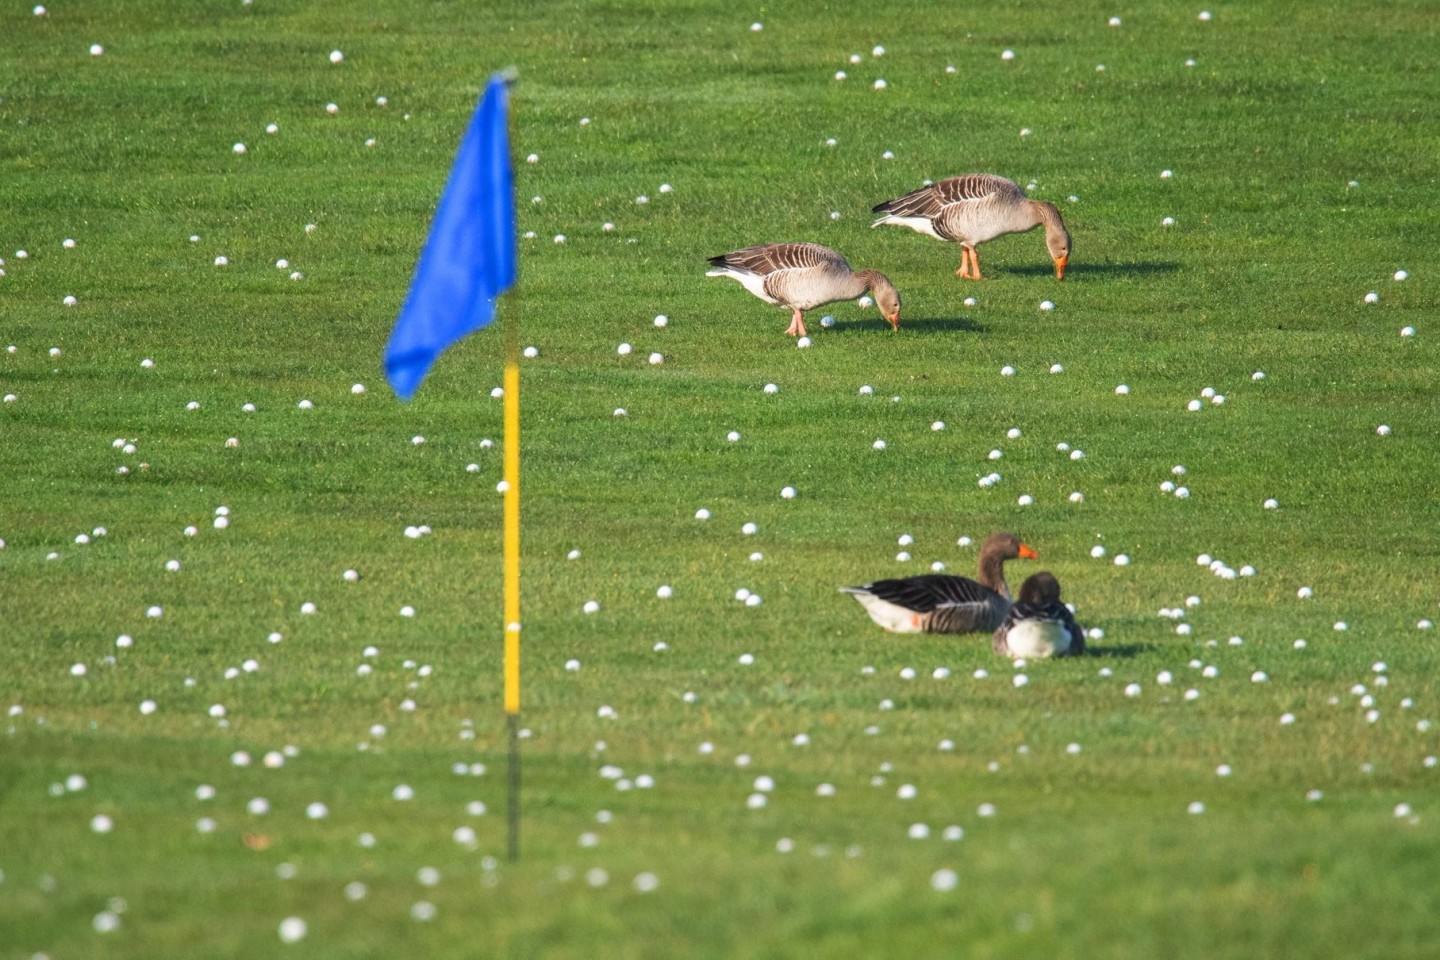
[(1040, 588), (1057, 238), (887, 298)]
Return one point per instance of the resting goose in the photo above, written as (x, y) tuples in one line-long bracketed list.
[(974, 208), (803, 276), (1039, 625), (937, 603)]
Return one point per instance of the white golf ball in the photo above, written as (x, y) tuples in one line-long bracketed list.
[(624, 349), (292, 930), (1122, 390), (96, 50), (1007, 55), (238, 148)]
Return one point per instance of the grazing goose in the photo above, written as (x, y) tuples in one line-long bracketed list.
[(1039, 625), (802, 276), (974, 208), (936, 603)]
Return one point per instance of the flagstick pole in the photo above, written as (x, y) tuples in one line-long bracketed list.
[(512, 571), (511, 320)]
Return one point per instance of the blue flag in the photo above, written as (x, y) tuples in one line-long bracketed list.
[(469, 258)]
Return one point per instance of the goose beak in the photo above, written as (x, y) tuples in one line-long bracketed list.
[(894, 321), (1060, 263), (1028, 552)]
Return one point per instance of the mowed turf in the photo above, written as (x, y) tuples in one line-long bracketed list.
[(1279, 810)]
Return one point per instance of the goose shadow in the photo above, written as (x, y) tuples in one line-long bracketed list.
[(1120, 651), (1137, 269), (921, 325)]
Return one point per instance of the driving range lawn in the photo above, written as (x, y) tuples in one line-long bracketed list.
[(250, 602)]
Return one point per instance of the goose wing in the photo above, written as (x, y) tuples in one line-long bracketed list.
[(931, 201), (933, 603), (768, 258), (926, 593)]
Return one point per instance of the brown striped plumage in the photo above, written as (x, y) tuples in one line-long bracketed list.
[(937, 603), (974, 208), (803, 276)]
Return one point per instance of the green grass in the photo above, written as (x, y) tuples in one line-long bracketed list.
[(1090, 854)]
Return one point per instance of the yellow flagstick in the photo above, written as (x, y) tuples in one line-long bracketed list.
[(512, 538), (512, 588)]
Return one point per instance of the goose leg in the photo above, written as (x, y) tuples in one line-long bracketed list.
[(797, 324), (969, 263)]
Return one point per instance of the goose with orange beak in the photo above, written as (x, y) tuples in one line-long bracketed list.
[(973, 209), (938, 603), (803, 276)]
